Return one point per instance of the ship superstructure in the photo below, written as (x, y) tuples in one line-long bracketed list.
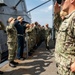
[(10, 8)]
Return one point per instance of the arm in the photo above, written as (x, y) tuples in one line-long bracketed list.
[(51, 31), (29, 30), (2, 27), (57, 18), (57, 21), (9, 28), (73, 36)]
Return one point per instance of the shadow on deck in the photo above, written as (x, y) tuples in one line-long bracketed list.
[(36, 64)]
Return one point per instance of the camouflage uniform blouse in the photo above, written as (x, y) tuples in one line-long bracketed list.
[(65, 43), (11, 33)]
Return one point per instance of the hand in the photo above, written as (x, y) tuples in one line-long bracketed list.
[(56, 8), (13, 21), (73, 67)]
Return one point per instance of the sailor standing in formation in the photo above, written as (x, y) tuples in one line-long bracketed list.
[(65, 41), (11, 41)]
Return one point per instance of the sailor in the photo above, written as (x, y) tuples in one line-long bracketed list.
[(29, 38), (11, 41), (20, 33), (47, 36), (65, 42)]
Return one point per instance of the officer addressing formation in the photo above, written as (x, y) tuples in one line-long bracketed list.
[(65, 41)]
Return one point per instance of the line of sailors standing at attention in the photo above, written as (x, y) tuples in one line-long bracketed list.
[(19, 34)]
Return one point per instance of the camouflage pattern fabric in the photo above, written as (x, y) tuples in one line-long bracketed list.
[(65, 45), (29, 38), (12, 48), (57, 23), (47, 36), (11, 33), (11, 41)]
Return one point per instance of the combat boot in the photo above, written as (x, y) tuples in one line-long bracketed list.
[(1, 72), (12, 64), (47, 47), (16, 63)]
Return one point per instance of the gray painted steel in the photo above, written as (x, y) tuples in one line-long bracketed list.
[(7, 10)]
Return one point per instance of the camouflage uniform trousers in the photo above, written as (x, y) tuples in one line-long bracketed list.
[(47, 40), (29, 44), (37, 39), (12, 48), (64, 66), (34, 40)]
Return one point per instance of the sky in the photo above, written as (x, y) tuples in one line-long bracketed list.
[(43, 14)]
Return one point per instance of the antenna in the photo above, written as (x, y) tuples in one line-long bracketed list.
[(38, 6), (14, 7)]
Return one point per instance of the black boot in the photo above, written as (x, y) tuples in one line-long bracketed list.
[(29, 53), (1, 72), (11, 64), (47, 47), (16, 63)]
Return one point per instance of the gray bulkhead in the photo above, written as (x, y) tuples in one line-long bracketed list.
[(7, 10)]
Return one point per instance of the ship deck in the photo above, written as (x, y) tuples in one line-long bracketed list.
[(41, 62)]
